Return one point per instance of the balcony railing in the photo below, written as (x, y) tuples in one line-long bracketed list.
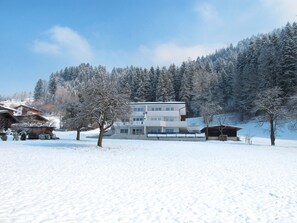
[(163, 113), (179, 124)]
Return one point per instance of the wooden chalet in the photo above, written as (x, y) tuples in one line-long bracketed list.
[(28, 119), (221, 132)]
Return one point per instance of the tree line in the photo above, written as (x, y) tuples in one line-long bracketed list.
[(232, 78)]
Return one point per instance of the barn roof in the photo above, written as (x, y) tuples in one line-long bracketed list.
[(229, 127)]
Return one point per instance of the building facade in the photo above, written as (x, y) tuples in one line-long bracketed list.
[(153, 118)]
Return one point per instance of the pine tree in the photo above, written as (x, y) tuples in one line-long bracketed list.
[(145, 86), (38, 90), (176, 80), (164, 91), (288, 76), (52, 87)]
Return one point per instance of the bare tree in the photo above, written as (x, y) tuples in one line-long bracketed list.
[(207, 111), (75, 116), (269, 106), (222, 126), (104, 104)]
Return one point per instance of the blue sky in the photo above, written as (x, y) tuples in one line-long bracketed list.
[(41, 37)]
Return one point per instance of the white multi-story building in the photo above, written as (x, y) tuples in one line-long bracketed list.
[(154, 117)]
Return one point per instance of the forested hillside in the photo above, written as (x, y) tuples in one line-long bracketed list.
[(231, 77)]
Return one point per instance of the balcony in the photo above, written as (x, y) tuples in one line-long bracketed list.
[(136, 123), (177, 124), (163, 113)]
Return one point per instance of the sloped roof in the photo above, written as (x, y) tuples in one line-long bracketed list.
[(6, 114), (221, 126), (35, 109), (2, 107)]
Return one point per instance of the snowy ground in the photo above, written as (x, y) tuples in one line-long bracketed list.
[(147, 181)]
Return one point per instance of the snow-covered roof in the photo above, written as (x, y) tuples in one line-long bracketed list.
[(7, 108), (3, 111), (35, 109)]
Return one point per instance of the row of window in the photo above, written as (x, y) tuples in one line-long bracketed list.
[(141, 109), (140, 131), (166, 119), (160, 109), (138, 109), (158, 130), (138, 119), (124, 131)]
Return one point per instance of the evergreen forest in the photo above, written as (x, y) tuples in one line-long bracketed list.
[(231, 77)]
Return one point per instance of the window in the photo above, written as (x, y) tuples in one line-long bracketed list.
[(156, 109), (138, 109), (137, 131), (155, 130), (170, 109), (138, 119), (169, 130), (124, 131), (156, 119), (169, 119)]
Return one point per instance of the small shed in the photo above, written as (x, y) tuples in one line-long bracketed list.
[(222, 132)]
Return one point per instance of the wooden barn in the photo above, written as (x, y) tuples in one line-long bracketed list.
[(221, 132)]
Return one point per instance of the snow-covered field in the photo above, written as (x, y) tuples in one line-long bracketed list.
[(147, 181)]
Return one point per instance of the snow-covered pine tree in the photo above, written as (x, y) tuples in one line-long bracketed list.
[(144, 90), (186, 87), (52, 87), (39, 90), (164, 91), (288, 78)]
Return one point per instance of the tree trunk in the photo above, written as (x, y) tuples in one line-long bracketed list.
[(206, 133), (272, 132), (78, 134), (100, 138)]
